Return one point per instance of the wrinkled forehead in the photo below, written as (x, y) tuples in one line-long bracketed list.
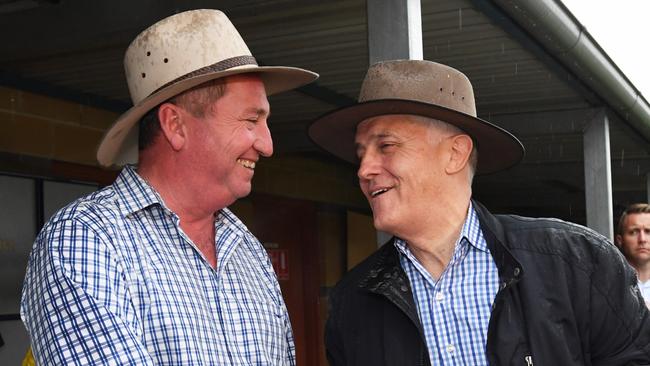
[(399, 124), (364, 126), (386, 123)]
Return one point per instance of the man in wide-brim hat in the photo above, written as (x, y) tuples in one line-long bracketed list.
[(457, 285), (154, 269)]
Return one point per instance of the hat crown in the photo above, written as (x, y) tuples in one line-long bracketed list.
[(177, 46), (421, 81), (179, 53)]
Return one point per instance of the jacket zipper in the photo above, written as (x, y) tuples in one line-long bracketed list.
[(529, 360)]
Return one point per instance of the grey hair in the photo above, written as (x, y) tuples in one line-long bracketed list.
[(449, 129)]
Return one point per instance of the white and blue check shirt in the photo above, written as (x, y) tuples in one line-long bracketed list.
[(112, 279), (455, 309)]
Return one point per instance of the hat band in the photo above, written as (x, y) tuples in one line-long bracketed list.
[(216, 67)]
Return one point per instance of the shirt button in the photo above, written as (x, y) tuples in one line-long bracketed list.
[(439, 296), (451, 349)]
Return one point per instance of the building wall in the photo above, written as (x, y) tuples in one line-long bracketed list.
[(48, 128)]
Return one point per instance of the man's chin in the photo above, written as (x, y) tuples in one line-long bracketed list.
[(382, 225), (242, 190), (244, 193)]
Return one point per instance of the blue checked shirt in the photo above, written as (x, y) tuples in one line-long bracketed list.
[(455, 309), (112, 279)]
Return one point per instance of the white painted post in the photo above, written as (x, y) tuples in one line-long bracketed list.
[(598, 175), (394, 30)]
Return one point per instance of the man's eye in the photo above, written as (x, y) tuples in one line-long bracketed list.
[(386, 145), (251, 123)]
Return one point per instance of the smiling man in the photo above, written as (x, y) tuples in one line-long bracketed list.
[(457, 285), (154, 269), (633, 239)]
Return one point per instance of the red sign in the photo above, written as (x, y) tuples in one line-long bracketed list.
[(280, 261)]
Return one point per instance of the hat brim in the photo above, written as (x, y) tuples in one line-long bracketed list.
[(335, 131), (112, 149)]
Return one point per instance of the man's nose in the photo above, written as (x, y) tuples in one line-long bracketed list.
[(368, 167), (263, 141)]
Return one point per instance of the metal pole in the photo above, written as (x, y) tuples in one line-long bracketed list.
[(394, 30), (598, 175)]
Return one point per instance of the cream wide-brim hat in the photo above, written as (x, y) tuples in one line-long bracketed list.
[(176, 54), (421, 88)]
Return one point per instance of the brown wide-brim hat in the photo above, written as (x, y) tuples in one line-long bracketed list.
[(176, 54), (422, 88)]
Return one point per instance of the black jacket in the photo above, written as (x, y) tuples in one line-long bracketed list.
[(567, 297)]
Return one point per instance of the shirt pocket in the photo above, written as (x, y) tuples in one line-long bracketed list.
[(255, 325)]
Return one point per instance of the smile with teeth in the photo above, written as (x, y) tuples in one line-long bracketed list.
[(246, 163), (378, 192)]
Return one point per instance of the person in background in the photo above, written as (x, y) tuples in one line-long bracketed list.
[(633, 239), (457, 285), (154, 269)]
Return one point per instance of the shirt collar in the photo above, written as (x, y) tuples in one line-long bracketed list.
[(225, 218), (472, 230), (470, 233), (134, 192), (645, 284)]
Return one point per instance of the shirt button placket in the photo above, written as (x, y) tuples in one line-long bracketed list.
[(439, 296)]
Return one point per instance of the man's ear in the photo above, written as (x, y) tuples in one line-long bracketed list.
[(172, 125), (461, 149), (618, 240)]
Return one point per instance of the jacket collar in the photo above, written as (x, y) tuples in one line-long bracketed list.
[(510, 270), (386, 276)]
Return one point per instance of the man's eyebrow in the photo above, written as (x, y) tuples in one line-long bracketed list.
[(381, 134), (375, 137), (258, 111)]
